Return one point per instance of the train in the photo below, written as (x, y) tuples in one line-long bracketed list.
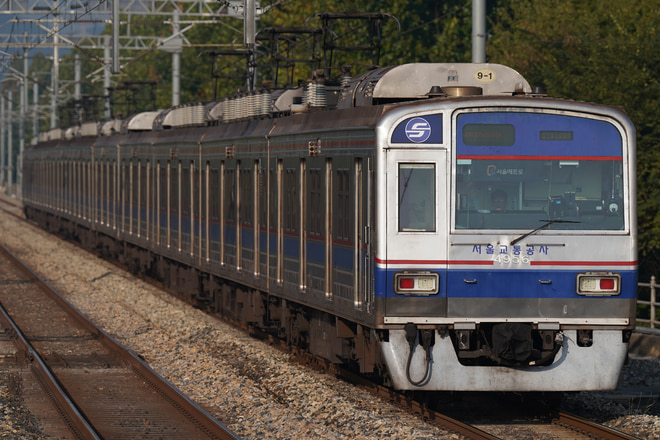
[(436, 226)]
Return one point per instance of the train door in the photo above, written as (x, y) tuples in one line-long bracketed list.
[(416, 239)]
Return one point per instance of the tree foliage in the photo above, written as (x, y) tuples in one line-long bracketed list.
[(418, 31), (604, 52)]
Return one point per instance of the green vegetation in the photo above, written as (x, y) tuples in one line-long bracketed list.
[(605, 52), (418, 30)]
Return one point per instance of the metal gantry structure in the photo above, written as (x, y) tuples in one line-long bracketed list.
[(77, 24), (66, 24), (48, 26)]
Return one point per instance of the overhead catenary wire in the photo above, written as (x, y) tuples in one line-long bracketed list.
[(62, 24)]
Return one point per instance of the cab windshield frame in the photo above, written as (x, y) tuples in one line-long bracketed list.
[(516, 170)]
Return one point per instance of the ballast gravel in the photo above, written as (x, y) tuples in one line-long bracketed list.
[(246, 384), (249, 386)]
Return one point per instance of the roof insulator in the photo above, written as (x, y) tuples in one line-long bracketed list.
[(436, 92)]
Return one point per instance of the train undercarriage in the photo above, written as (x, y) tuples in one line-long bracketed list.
[(516, 346), (330, 337)]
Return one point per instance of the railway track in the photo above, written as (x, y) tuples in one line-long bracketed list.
[(98, 389), (12, 206), (560, 426), (551, 426), (557, 426)]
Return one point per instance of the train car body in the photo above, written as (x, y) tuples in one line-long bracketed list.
[(440, 226)]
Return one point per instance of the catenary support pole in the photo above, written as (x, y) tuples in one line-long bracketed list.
[(35, 110), (176, 63), (106, 77), (249, 38), (10, 135), (3, 131), (478, 31), (115, 36), (21, 137), (56, 68)]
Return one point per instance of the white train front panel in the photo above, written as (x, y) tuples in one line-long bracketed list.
[(511, 229)]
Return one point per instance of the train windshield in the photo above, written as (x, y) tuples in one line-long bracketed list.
[(518, 170)]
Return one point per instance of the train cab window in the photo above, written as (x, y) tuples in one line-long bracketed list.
[(520, 170), (522, 194), (417, 197)]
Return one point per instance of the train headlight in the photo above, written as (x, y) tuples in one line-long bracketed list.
[(598, 284), (416, 283)]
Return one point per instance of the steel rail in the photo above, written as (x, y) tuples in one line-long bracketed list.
[(563, 419), (66, 408), (202, 419), (595, 429)]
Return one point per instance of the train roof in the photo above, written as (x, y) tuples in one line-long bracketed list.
[(387, 85), (422, 81)]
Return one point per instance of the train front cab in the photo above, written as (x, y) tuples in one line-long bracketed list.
[(503, 299)]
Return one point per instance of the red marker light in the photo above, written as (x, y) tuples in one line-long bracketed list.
[(607, 284), (406, 283)]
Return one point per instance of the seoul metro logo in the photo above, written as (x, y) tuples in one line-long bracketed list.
[(418, 130)]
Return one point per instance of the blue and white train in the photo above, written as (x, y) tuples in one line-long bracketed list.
[(441, 226)]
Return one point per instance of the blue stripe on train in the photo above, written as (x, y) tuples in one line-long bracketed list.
[(472, 283)]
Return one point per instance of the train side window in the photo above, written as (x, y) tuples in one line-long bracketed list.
[(273, 193), (417, 197), (247, 197), (290, 200), (162, 187), (230, 213), (186, 173), (174, 192), (343, 217), (316, 211), (263, 194), (214, 182)]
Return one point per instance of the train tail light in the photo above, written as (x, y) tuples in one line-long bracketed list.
[(599, 284), (416, 283)]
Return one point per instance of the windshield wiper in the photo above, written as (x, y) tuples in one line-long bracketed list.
[(545, 225)]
